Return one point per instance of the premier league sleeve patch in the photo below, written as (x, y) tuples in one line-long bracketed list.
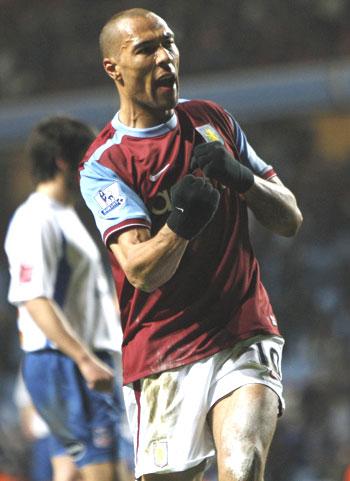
[(110, 198), (112, 202)]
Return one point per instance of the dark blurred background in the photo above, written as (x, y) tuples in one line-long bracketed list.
[(283, 70)]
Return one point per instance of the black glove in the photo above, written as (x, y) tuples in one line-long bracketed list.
[(217, 163), (194, 201)]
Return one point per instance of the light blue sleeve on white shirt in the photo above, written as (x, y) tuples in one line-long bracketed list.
[(113, 203)]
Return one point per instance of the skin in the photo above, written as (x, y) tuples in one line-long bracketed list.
[(138, 49), (64, 469), (144, 51), (243, 424)]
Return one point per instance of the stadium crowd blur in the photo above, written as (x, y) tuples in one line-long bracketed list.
[(50, 46)]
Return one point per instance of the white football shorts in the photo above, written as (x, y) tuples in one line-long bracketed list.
[(167, 412)]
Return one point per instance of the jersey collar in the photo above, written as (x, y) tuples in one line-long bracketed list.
[(149, 132)]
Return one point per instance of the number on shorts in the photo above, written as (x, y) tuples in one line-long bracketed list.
[(270, 359)]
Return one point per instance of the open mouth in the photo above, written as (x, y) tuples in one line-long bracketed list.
[(166, 81)]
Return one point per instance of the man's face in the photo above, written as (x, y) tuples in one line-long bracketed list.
[(148, 64)]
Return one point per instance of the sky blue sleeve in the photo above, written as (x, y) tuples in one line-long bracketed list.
[(114, 204), (247, 154)]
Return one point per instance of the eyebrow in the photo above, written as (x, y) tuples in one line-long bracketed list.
[(146, 43)]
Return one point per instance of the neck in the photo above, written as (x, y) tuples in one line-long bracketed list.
[(56, 189), (143, 119)]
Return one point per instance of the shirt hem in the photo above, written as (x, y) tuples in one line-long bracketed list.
[(198, 357)]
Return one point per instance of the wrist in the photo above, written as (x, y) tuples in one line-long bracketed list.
[(251, 187), (242, 180), (180, 225), (82, 356)]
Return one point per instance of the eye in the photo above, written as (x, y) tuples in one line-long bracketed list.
[(146, 50), (168, 43)]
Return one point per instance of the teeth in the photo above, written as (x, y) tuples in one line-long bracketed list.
[(167, 77)]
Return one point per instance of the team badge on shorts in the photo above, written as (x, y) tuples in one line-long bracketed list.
[(110, 198), (160, 452), (102, 437), (209, 133)]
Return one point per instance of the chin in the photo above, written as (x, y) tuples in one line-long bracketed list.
[(169, 103)]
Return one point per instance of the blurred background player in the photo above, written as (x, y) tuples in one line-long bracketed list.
[(169, 183), (36, 433), (66, 314)]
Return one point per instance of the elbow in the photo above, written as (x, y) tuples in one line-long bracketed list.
[(141, 279), (292, 224), (140, 282), (148, 279)]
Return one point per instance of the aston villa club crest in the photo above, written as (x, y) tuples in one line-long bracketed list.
[(160, 452), (209, 133)]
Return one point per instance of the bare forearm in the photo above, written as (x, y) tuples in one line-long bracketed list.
[(164, 258), (51, 320), (149, 263), (274, 206), (53, 324)]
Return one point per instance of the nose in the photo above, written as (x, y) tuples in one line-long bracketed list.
[(163, 55)]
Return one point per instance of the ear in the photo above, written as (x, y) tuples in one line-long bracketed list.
[(112, 68), (62, 165)]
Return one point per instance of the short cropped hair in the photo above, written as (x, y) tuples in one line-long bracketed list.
[(57, 138)]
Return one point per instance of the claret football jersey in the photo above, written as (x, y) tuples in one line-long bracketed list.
[(216, 297)]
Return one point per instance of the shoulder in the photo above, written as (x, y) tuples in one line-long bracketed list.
[(32, 212), (33, 222), (102, 138), (105, 151), (201, 106)]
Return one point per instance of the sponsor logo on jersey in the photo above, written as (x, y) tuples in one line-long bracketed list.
[(209, 133), (161, 204), (160, 452), (110, 198), (25, 273)]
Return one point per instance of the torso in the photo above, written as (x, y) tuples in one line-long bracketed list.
[(216, 297)]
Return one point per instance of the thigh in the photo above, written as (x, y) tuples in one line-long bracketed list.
[(64, 469), (243, 424), (99, 472)]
